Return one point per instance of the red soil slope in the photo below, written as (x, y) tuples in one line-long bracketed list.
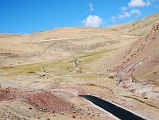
[(40, 99)]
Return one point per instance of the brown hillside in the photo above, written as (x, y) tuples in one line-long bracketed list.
[(142, 61), (139, 27), (118, 63)]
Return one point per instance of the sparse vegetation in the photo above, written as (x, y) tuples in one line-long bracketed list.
[(88, 76), (57, 66), (94, 56)]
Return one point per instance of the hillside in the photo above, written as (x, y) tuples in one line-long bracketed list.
[(139, 27), (139, 70), (42, 73)]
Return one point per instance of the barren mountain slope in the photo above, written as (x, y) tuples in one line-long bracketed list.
[(56, 61), (139, 27), (56, 44), (42, 73), (139, 70)]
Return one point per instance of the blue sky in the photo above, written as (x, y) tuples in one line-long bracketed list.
[(27, 16)]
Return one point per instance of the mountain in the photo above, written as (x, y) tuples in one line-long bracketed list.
[(139, 69), (141, 62), (139, 27), (43, 73)]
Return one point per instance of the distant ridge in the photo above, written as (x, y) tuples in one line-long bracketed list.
[(139, 27)]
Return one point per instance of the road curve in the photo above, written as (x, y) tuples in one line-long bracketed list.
[(112, 108)]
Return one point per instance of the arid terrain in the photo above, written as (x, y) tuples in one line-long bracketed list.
[(42, 74)]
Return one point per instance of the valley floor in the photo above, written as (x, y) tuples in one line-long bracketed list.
[(26, 90)]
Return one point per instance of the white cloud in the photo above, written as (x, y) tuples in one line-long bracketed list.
[(125, 14), (132, 10), (92, 21), (136, 12), (138, 3), (91, 9)]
